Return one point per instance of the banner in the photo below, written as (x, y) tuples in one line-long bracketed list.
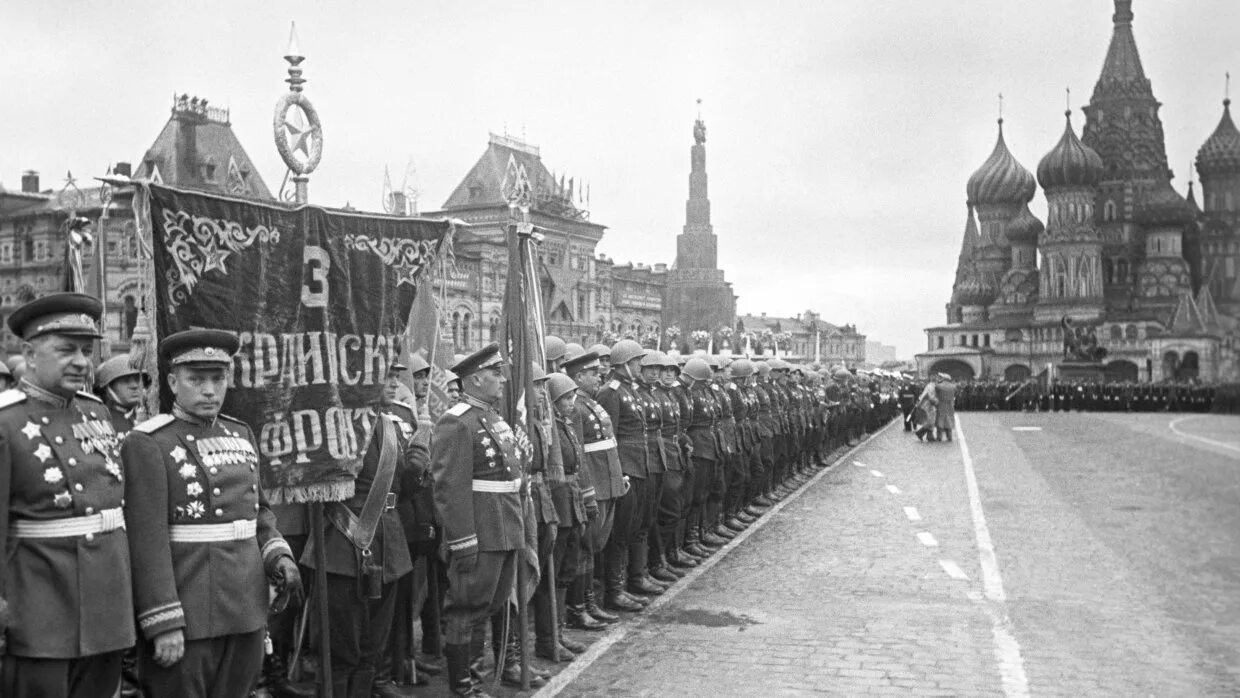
[(423, 337), (319, 299)]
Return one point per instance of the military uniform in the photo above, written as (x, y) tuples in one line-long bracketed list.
[(65, 571), (477, 471), (602, 462), (203, 540), (626, 410)]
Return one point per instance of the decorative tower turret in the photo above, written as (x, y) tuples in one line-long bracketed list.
[(1019, 288), (969, 295), (997, 190), (1218, 164), (698, 297), (1071, 271)]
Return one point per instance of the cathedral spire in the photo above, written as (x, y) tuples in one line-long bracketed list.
[(1122, 72)]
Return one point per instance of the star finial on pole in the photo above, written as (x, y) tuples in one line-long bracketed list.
[(1001, 107)]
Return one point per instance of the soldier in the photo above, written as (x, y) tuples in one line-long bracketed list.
[(603, 352), (574, 496), (742, 376), (477, 471), (608, 484), (65, 570), (735, 518), (121, 387), (652, 566), (666, 559), (620, 399), (767, 425), (203, 541), (700, 542), (6, 377), (714, 514)]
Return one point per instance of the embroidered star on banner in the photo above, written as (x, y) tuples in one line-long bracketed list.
[(178, 454), (215, 260), (43, 453), (31, 430)]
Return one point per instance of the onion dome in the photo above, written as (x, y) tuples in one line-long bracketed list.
[(1163, 206), (1001, 179), (1221, 151), (1070, 163), (1024, 228), (974, 289)]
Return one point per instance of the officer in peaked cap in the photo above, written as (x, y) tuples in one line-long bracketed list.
[(572, 351), (120, 386), (203, 542), (604, 358), (477, 466), (65, 568)]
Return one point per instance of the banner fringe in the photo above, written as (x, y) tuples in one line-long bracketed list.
[(317, 492)]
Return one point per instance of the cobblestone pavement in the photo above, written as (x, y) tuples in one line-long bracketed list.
[(1118, 573)]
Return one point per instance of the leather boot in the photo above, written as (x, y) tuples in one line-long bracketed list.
[(735, 524), (592, 606), (578, 617), (754, 512), (561, 603), (642, 585), (722, 531), (510, 675), (274, 679), (458, 658), (544, 632), (615, 598), (679, 560), (763, 501)]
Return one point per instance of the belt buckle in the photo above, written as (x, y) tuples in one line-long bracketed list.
[(238, 529), (111, 519), (390, 502)]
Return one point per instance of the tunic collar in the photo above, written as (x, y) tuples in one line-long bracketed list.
[(45, 396), (192, 419)]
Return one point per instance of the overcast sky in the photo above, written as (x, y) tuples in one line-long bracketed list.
[(841, 133)]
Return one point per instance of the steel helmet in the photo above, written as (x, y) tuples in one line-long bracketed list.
[(572, 350), (669, 361), (417, 364), (602, 350), (764, 368), (108, 371), (653, 358), (742, 368), (538, 373), (697, 369), (625, 351), (560, 385), (554, 347)]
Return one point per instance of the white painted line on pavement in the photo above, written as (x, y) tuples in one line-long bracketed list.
[(911, 513), (927, 539), (875, 473), (953, 570), (893, 489), (1007, 649), (1174, 424), (1026, 428), (621, 630)]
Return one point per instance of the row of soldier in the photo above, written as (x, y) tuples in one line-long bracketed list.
[(637, 469), (1085, 396)]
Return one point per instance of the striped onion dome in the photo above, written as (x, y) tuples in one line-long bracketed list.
[(1001, 179), (1070, 163)]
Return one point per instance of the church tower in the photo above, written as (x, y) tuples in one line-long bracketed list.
[(997, 191), (1070, 282), (698, 297)]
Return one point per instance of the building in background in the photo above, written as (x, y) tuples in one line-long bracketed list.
[(1124, 263), (806, 338), (877, 353)]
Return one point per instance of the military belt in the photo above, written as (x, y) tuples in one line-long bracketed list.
[(604, 445), (497, 486), (104, 521), (240, 529)]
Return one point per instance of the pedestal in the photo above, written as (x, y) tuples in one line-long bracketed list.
[(1080, 371)]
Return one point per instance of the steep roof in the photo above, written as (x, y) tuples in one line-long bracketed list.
[(1187, 319), (197, 149), (507, 162), (1205, 304), (1122, 72)]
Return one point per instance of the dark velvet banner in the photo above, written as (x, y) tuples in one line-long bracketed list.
[(319, 299)]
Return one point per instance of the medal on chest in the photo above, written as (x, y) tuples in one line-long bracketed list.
[(97, 435)]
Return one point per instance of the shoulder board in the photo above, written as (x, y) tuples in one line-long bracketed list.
[(154, 424), (614, 384), (458, 409), (11, 397), (89, 396), (404, 405), (234, 420), (731, 386)]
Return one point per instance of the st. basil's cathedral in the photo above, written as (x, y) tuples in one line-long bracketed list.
[(1127, 279)]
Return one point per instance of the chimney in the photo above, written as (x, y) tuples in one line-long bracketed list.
[(123, 169), (30, 182)]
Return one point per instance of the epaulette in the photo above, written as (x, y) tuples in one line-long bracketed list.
[(614, 384), (155, 423), (11, 397), (89, 396), (458, 409), (234, 420)]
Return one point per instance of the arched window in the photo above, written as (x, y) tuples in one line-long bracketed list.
[(1108, 271), (493, 333), (456, 329), (1130, 332), (1121, 271), (465, 318), (1117, 333)]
